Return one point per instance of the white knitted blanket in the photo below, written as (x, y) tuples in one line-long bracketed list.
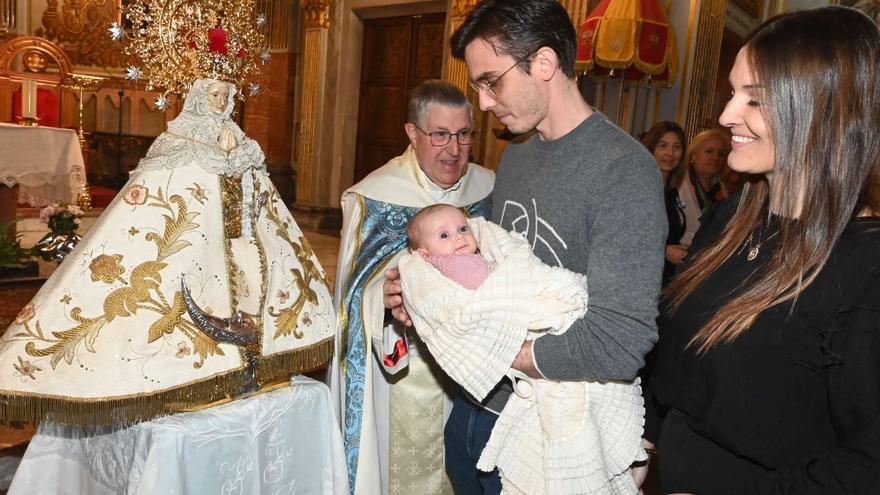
[(552, 437), (568, 438), (475, 334)]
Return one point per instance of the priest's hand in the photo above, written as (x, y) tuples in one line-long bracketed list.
[(393, 296)]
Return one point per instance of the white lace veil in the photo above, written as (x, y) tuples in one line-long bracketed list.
[(193, 136)]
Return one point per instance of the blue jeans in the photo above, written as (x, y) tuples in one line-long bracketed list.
[(465, 435)]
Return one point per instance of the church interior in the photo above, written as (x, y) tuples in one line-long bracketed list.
[(327, 105)]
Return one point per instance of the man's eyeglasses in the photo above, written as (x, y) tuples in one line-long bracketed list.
[(488, 86), (442, 138)]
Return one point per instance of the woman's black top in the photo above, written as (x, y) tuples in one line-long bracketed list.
[(790, 406), (677, 223)]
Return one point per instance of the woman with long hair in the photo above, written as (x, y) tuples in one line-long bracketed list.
[(768, 362), (667, 142)]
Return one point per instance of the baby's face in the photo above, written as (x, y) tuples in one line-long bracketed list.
[(446, 232)]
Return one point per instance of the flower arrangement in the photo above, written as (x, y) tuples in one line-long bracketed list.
[(62, 219)]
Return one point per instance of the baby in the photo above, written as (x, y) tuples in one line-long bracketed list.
[(475, 293), (440, 233)]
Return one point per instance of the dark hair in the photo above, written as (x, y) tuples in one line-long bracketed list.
[(435, 91), (655, 133), (820, 74), (519, 28)]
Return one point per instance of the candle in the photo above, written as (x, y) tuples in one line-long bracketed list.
[(28, 98)]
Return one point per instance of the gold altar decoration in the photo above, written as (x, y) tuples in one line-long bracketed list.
[(707, 49), (633, 36), (81, 83), (316, 13), (7, 16), (179, 41), (80, 28)]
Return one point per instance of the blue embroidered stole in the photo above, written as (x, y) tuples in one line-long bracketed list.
[(380, 236)]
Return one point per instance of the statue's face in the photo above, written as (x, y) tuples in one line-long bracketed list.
[(218, 95)]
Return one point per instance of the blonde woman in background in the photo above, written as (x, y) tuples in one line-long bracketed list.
[(701, 186)]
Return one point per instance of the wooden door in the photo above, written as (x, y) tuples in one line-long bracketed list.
[(399, 53)]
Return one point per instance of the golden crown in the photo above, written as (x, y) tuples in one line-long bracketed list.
[(179, 41)]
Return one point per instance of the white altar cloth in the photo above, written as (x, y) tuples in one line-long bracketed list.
[(283, 441), (45, 162)]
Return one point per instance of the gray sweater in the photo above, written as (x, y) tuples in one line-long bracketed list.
[(592, 202)]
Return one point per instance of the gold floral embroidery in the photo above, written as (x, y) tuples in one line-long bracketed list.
[(283, 296), (287, 319), (107, 268), (142, 291), (198, 193), (26, 368), (136, 194), (25, 315)]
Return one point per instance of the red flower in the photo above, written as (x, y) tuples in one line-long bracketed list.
[(217, 40)]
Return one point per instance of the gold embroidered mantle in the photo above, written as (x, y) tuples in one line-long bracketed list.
[(107, 340)]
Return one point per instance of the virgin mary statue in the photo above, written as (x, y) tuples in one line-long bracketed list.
[(193, 285)]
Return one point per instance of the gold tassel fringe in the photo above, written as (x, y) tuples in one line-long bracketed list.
[(124, 411)]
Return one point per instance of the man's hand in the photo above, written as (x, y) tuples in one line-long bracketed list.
[(393, 297), (525, 362)]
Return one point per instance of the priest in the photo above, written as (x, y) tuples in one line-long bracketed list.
[(393, 399)]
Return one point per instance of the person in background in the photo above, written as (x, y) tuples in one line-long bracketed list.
[(667, 142), (701, 187), (389, 392), (769, 351)]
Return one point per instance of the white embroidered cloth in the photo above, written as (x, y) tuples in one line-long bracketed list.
[(45, 162), (283, 441)]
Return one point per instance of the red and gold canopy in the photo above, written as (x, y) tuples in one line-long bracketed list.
[(630, 35)]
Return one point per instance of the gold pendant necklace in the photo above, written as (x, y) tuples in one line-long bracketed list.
[(754, 250)]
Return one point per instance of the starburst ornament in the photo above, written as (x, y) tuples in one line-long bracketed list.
[(133, 73), (116, 32), (161, 102), (179, 41), (261, 20), (264, 57), (254, 89)]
